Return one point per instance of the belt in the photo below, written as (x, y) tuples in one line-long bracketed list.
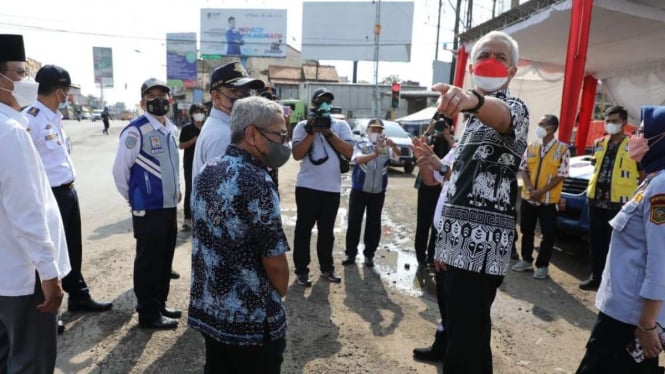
[(66, 186)]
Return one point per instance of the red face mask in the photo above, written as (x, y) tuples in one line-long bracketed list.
[(489, 75)]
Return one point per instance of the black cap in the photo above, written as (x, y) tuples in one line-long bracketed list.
[(233, 75), (322, 92), (54, 76), (11, 48), (154, 82)]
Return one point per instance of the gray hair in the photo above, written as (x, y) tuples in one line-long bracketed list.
[(253, 110), (515, 54)]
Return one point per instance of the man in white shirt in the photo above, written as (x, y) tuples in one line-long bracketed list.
[(228, 83), (33, 253), (49, 138), (146, 174)]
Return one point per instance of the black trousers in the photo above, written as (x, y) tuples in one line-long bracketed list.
[(600, 233), (425, 232), (606, 350), (442, 296), (188, 192), (155, 235), (546, 216), (371, 204), (231, 359), (318, 207), (68, 203), (470, 298)]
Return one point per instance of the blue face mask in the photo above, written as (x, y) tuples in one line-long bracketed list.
[(325, 107)]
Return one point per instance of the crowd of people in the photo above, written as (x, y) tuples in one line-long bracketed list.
[(466, 225)]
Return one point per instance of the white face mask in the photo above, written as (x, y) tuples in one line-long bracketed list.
[(373, 137), (541, 132), (489, 84), (25, 91), (198, 117), (612, 128)]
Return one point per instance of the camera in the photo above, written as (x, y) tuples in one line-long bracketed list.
[(442, 122), (321, 119)]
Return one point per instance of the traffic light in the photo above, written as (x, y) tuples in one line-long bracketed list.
[(395, 95)]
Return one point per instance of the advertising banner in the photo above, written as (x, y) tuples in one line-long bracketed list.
[(102, 61), (181, 60), (243, 33)]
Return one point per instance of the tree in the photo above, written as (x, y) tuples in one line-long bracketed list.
[(390, 79)]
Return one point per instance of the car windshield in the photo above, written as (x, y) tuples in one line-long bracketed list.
[(392, 129)]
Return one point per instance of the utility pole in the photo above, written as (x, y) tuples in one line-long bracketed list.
[(455, 41), (438, 30), (377, 33)]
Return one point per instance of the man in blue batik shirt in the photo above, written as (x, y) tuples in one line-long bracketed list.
[(239, 267)]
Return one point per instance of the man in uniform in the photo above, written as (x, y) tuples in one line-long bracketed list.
[(228, 83), (146, 174), (544, 167), (48, 135), (30, 268), (615, 178)]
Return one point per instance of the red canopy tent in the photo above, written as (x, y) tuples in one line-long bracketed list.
[(618, 42)]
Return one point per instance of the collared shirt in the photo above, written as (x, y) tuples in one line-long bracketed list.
[(237, 222), (50, 140), (479, 213), (372, 176), (326, 176), (32, 237), (126, 156), (634, 270), (215, 136)]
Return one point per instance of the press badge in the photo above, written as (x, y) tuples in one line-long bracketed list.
[(156, 145)]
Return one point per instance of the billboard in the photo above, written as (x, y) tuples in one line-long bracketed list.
[(345, 30), (243, 32), (102, 62), (181, 60)]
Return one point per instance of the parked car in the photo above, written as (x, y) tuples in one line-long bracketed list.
[(573, 214), (97, 115), (396, 133), (85, 114)]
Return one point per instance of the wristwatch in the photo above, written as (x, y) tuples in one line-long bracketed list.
[(481, 101), (443, 169)]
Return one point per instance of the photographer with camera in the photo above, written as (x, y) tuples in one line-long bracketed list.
[(317, 142), (439, 138), (368, 191)]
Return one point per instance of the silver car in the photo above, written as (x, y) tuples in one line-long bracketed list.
[(396, 133)]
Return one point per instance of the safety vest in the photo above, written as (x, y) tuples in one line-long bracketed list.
[(153, 181), (543, 170), (625, 176)]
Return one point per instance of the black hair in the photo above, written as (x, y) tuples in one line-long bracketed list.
[(231, 18), (197, 108), (617, 109), (552, 120), (3, 67)]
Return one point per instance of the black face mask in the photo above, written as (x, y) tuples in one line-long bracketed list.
[(157, 106)]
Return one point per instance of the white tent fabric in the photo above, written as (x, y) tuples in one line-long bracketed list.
[(422, 116)]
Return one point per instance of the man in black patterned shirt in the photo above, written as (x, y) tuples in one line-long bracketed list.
[(477, 229)]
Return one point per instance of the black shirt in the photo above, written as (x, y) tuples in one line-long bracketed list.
[(187, 133)]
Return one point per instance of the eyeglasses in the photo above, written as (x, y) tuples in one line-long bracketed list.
[(284, 135)]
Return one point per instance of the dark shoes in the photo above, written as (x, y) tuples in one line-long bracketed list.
[(87, 305), (349, 260), (174, 275), (331, 276), (61, 326), (303, 280), (159, 323), (171, 313), (430, 354), (369, 262), (590, 284)]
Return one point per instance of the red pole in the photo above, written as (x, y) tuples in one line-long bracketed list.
[(460, 70), (578, 42), (586, 112)]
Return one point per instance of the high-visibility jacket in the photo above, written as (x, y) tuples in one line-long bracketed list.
[(625, 176), (543, 170)]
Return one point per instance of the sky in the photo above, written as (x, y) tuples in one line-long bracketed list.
[(63, 33)]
